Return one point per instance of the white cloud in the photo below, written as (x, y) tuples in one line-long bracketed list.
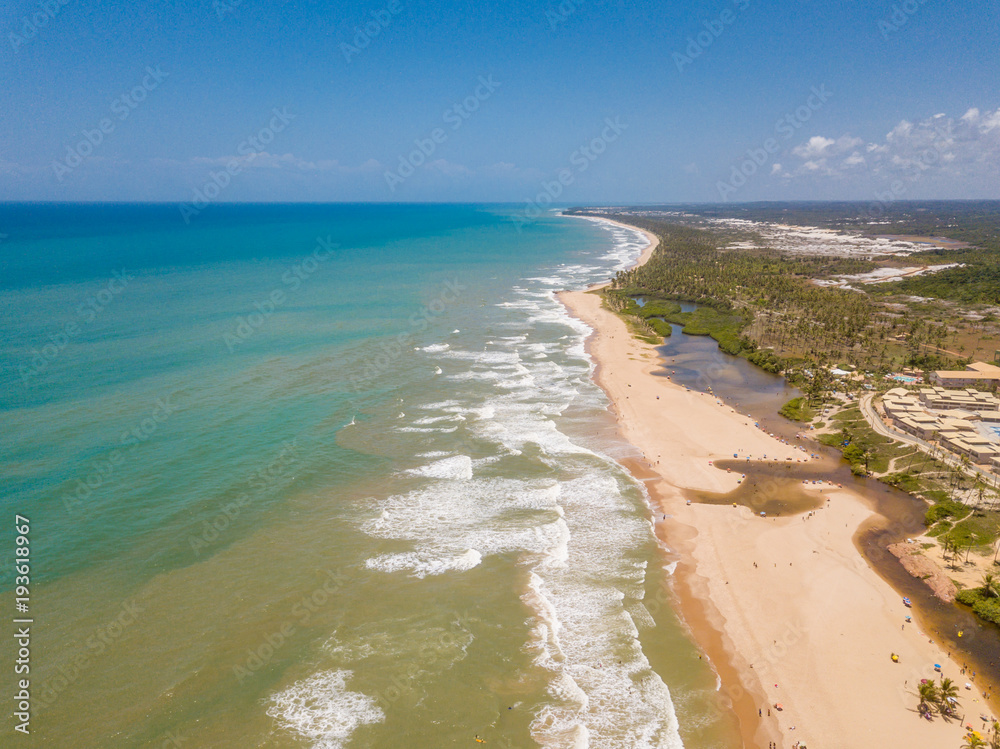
[(449, 168), (855, 159), (815, 146), (939, 146)]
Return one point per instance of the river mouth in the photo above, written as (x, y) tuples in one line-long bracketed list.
[(769, 489)]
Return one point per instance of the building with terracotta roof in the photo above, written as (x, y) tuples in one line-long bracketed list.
[(976, 373)]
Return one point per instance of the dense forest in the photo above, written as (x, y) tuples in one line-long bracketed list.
[(974, 222)]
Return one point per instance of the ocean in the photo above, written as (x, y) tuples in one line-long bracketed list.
[(328, 476)]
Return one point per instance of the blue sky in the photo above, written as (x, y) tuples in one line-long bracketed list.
[(875, 96)]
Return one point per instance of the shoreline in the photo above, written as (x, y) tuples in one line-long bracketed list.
[(822, 628)]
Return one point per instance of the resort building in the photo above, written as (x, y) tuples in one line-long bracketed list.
[(978, 449), (977, 372), (968, 399), (959, 420)]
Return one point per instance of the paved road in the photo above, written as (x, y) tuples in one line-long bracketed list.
[(875, 422)]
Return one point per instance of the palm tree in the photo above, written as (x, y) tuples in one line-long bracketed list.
[(980, 486), (974, 538), (991, 585), (995, 735), (947, 692), (973, 742), (928, 693)]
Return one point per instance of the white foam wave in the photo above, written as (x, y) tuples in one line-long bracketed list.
[(457, 467), (322, 709), (422, 565), (436, 419)]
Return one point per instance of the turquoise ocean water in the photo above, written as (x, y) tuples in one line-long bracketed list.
[(327, 476)]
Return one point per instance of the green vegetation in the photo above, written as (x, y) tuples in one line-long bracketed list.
[(904, 481), (984, 600), (947, 508), (724, 328), (977, 530), (797, 409), (651, 320)]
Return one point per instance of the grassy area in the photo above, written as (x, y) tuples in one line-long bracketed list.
[(797, 409), (961, 527), (978, 530), (948, 508), (905, 481)]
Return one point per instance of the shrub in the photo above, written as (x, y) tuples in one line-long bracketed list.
[(948, 508), (984, 606)]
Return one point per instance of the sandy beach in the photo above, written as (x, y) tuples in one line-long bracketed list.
[(786, 608)]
